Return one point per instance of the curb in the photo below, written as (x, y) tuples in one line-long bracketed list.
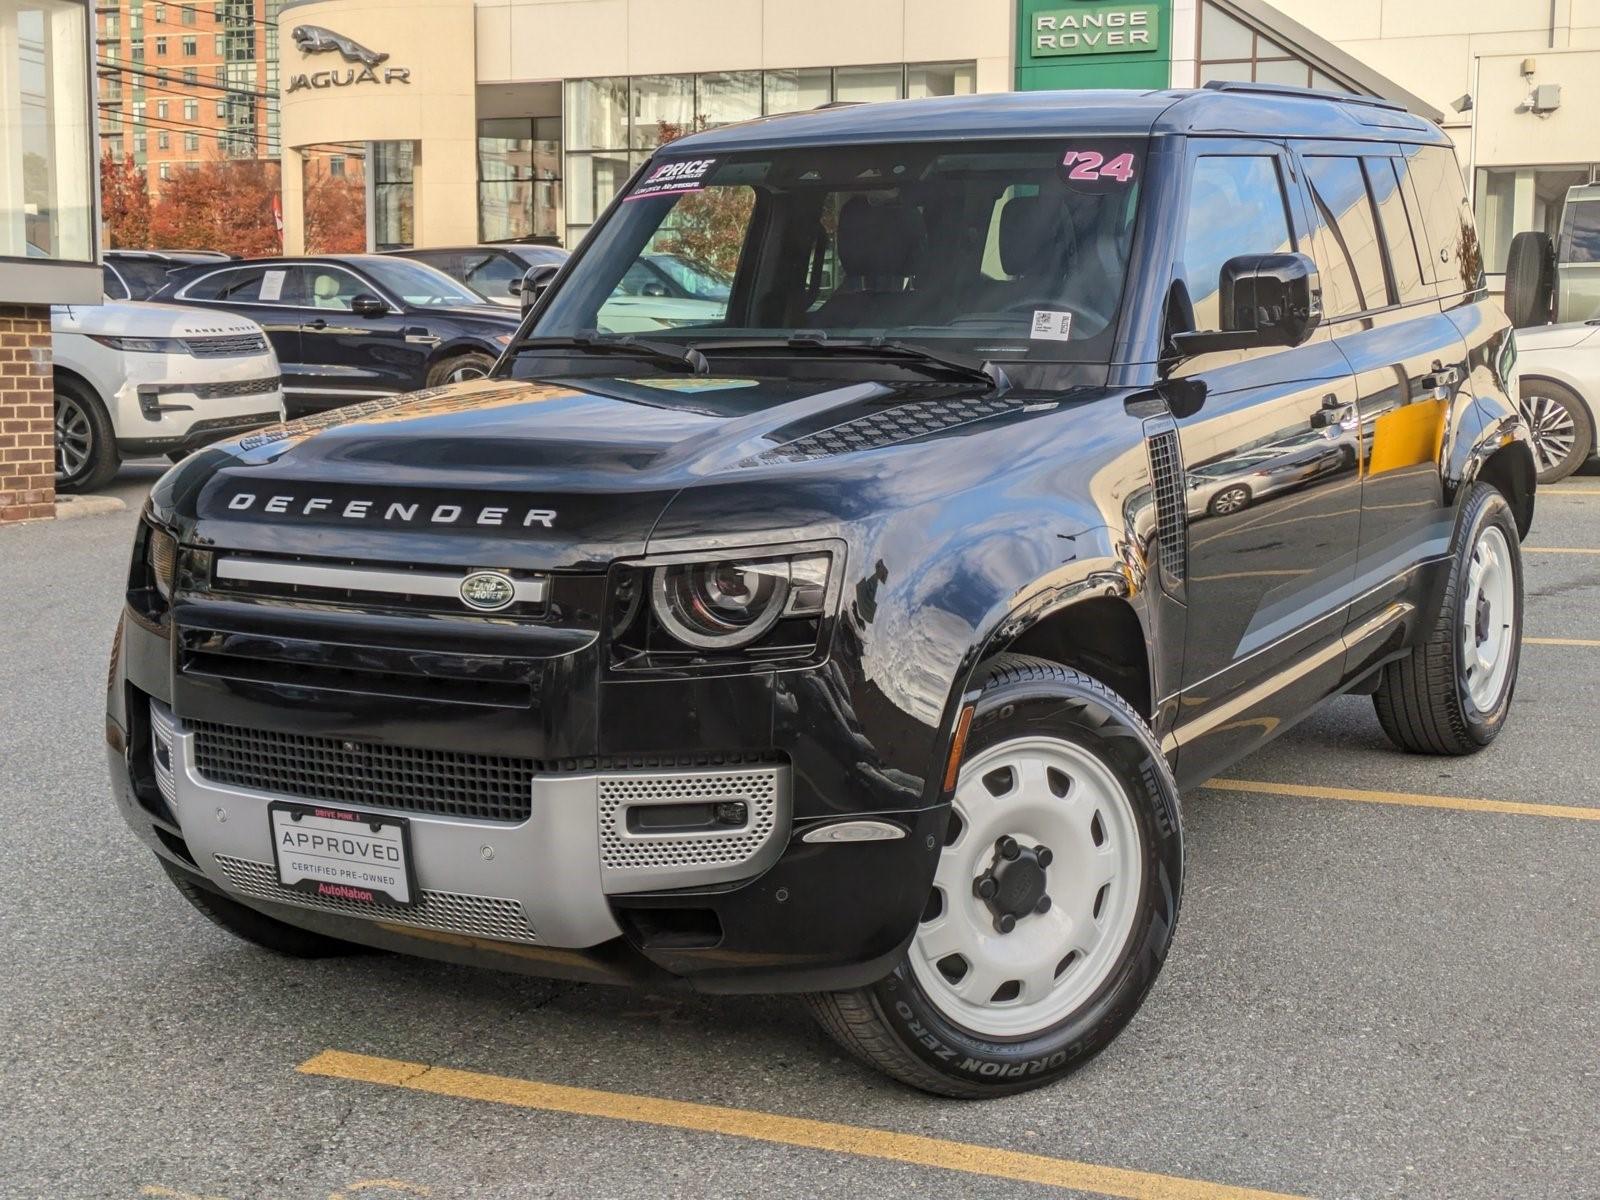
[(71, 508)]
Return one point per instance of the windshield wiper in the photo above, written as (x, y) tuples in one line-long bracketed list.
[(662, 352), (875, 347)]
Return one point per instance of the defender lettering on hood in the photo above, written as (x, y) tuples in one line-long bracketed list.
[(338, 505)]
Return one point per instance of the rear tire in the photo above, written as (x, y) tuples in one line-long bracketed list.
[(1451, 694), (86, 445), (1560, 425), (459, 368), (254, 927), (1056, 756)]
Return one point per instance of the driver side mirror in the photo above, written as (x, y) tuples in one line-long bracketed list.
[(367, 305), (1266, 300), (535, 282)]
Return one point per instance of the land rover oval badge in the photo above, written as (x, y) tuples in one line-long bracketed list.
[(487, 591)]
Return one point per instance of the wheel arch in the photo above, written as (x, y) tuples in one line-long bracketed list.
[(1511, 470), (1100, 635), (66, 374)]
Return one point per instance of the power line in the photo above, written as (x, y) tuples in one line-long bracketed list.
[(109, 67), (226, 18), (168, 124)]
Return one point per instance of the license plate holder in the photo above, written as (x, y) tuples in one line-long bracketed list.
[(338, 854)]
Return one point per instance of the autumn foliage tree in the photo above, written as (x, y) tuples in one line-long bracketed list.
[(336, 214), (124, 202), (706, 228), (222, 205)]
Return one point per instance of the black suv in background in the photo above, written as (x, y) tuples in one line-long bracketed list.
[(494, 272), (139, 274), (855, 634), (353, 326)]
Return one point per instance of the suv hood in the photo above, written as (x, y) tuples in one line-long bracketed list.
[(133, 318), (571, 473)]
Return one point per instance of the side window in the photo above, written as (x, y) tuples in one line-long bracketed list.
[(329, 289), (494, 275), (1580, 232), (241, 286), (1235, 207), (1405, 260), (1455, 259), (113, 285), (1355, 279)]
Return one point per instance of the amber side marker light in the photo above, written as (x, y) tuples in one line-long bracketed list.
[(958, 747)]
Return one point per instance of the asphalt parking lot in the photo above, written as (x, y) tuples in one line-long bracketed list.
[(1386, 983)]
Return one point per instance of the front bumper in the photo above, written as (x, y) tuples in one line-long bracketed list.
[(178, 404)]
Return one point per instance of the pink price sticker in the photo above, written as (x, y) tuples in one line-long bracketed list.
[(1107, 168), (674, 178)]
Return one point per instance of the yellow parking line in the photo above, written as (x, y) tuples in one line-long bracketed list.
[(1414, 799), (1545, 492), (768, 1127), (1558, 550), (1533, 641)]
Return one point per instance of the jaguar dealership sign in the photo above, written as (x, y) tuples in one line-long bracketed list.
[(368, 66)]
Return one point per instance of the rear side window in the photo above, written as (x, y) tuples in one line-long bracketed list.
[(1580, 232), (1354, 279), (1455, 260), (1405, 261), (245, 285), (112, 284), (1235, 207)]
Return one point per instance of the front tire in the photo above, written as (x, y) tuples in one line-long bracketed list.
[(460, 368), (86, 445), (1054, 902), (1451, 694), (254, 927)]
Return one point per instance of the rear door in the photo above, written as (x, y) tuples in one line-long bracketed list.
[(1272, 491), (264, 294), (1408, 358)]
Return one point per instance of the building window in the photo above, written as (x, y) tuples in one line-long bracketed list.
[(159, 14), (393, 195), (336, 166), (519, 178), (219, 45), (1232, 50), (187, 15), (164, 170), (191, 142), (190, 76), (161, 109), (612, 124), (191, 47), (46, 183), (191, 110), (1513, 200), (161, 47), (163, 139)]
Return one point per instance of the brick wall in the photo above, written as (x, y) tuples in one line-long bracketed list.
[(27, 415)]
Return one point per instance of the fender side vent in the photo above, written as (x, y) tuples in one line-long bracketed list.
[(1166, 477)]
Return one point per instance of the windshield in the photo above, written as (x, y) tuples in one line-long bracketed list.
[(418, 285), (1005, 250)]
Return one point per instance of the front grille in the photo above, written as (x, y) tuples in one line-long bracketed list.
[(247, 387), (231, 346), (452, 912), (443, 782)]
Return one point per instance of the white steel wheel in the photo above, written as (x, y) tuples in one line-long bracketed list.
[(1037, 890), (1488, 619)]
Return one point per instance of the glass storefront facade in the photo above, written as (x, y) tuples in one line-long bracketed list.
[(46, 161), (612, 124), (519, 178), (1231, 50), (394, 167)]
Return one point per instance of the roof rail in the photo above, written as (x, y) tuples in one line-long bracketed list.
[(1284, 89)]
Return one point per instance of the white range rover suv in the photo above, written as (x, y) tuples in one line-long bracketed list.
[(135, 379)]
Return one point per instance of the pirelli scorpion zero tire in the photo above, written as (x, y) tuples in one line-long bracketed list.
[(257, 927), (1451, 694), (1053, 905)]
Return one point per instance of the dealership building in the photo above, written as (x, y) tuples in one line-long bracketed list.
[(492, 119)]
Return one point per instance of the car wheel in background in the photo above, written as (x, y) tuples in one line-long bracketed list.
[(1230, 500), (460, 368), (1054, 899), (86, 446), (1562, 430)]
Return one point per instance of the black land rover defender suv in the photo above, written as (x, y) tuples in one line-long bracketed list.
[(854, 634)]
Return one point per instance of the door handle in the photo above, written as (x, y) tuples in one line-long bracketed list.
[(319, 324), (1441, 381)]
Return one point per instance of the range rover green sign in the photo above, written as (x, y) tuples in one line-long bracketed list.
[(1095, 29), (1093, 44)]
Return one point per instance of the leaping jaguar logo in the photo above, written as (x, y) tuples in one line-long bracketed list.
[(314, 39)]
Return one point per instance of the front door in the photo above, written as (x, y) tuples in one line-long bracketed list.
[(354, 356), (1273, 493)]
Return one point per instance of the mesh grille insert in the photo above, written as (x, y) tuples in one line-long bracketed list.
[(445, 782), (1171, 517), (231, 346), (452, 912), (621, 850)]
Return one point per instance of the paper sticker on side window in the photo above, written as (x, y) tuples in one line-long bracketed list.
[(272, 285), (674, 178)]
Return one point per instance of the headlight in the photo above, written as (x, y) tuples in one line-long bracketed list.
[(142, 345), (727, 604), (161, 556)]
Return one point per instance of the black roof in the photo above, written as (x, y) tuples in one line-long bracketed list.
[(1245, 110)]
